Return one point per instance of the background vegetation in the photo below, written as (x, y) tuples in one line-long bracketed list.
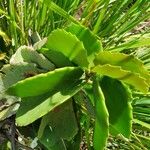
[(93, 43)]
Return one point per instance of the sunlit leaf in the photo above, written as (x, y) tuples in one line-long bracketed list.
[(101, 129), (90, 41), (123, 67), (123, 75), (32, 108), (135, 43), (64, 43), (52, 81), (144, 124)]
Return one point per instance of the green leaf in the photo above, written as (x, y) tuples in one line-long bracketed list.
[(117, 98), (29, 55), (144, 124), (52, 81), (14, 73), (32, 108), (125, 64), (54, 7), (90, 41), (101, 129), (123, 75), (50, 141), (144, 101), (135, 43), (60, 41), (57, 122)]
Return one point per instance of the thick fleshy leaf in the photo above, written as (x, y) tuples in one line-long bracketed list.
[(29, 55), (14, 73), (58, 120), (52, 81), (126, 76), (32, 108), (126, 62), (8, 106), (40, 44), (90, 41), (66, 46), (101, 129), (117, 98)]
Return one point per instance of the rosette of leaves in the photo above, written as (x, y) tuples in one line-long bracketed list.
[(67, 70)]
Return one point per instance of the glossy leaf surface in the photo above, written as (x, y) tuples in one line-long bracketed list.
[(32, 108), (64, 44), (124, 67), (90, 41), (46, 82)]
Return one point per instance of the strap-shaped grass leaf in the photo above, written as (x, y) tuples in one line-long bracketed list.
[(117, 98), (32, 108), (126, 76), (67, 44), (135, 43), (144, 124), (101, 129), (90, 41), (58, 120), (29, 55), (46, 82)]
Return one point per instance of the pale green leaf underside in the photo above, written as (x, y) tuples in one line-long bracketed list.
[(8, 106), (117, 98), (126, 62), (69, 45), (126, 76), (52, 81), (32, 108), (29, 55), (15, 73), (9, 111)]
